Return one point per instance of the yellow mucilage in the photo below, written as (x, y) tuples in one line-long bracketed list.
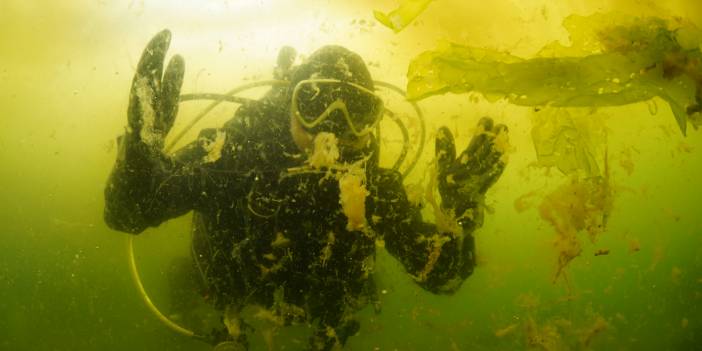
[(326, 151), (351, 179), (353, 199)]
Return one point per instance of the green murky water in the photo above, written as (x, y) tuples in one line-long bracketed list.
[(65, 71)]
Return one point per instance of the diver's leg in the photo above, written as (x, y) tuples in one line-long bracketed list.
[(231, 337), (229, 346), (327, 337), (183, 289)]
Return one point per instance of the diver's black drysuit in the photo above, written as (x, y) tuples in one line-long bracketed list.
[(270, 230)]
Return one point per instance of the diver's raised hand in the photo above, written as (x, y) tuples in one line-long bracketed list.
[(153, 99), (463, 180)]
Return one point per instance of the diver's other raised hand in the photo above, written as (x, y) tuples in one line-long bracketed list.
[(463, 180), (153, 99)]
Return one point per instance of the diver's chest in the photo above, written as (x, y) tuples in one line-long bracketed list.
[(294, 197)]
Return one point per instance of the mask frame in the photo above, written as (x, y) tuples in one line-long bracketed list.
[(336, 105)]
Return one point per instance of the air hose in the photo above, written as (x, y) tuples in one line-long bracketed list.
[(147, 300), (422, 126)]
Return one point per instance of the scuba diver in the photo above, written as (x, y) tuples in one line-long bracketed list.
[(288, 199)]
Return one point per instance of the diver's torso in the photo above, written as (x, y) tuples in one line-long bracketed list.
[(290, 233), (277, 230)]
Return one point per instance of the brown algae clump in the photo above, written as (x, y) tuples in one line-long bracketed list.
[(576, 206)]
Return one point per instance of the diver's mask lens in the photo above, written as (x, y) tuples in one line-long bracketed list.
[(330, 103)]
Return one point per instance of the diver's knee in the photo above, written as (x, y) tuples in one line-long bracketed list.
[(333, 338), (230, 346), (347, 330)]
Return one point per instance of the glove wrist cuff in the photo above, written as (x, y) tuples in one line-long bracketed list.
[(153, 139)]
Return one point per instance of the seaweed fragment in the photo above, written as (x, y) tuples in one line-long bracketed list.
[(612, 60), (402, 16), (568, 139)]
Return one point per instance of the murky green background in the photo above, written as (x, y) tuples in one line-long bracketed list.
[(65, 71)]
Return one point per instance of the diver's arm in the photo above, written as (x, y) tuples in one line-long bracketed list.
[(439, 260), (442, 255), (146, 186), (463, 180)]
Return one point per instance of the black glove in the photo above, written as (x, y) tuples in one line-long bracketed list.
[(463, 181), (153, 100)]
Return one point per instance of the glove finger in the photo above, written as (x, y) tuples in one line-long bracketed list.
[(170, 93), (487, 152), (500, 128), (498, 143), (491, 175), (495, 163), (145, 85), (482, 131), (445, 149), (490, 153), (485, 158), (151, 62)]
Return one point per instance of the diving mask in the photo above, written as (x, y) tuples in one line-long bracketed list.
[(324, 103)]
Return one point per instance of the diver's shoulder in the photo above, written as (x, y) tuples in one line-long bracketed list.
[(257, 115)]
